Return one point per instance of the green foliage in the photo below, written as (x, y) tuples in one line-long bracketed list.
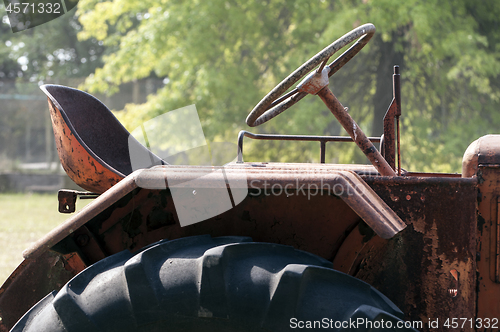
[(48, 52), (450, 74), (224, 55)]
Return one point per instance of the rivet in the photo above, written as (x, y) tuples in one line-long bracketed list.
[(82, 240)]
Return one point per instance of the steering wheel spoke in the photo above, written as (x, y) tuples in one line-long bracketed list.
[(282, 98), (323, 64), (285, 104)]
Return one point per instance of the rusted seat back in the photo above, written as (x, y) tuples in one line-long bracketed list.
[(92, 144)]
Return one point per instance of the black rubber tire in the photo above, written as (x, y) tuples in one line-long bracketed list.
[(210, 284)]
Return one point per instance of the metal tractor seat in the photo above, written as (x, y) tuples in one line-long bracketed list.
[(93, 146)]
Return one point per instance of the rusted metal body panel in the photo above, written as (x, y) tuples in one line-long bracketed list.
[(416, 269), (482, 161), (270, 177), (439, 240), (90, 211), (488, 244), (33, 280)]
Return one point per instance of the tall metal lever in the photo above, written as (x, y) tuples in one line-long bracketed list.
[(392, 136)]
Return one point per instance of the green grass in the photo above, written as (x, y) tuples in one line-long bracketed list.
[(24, 218)]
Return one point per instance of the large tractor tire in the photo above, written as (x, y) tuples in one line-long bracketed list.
[(212, 284)]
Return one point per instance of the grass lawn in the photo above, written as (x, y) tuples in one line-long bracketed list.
[(24, 218)]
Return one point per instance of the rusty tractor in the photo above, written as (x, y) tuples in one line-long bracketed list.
[(291, 246)]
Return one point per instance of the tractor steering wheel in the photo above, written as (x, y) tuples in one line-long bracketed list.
[(274, 103)]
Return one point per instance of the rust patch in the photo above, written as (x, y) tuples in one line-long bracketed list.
[(414, 268), (80, 166), (30, 282)]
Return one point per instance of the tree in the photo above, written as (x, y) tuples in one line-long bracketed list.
[(225, 55), (52, 51), (451, 71)]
